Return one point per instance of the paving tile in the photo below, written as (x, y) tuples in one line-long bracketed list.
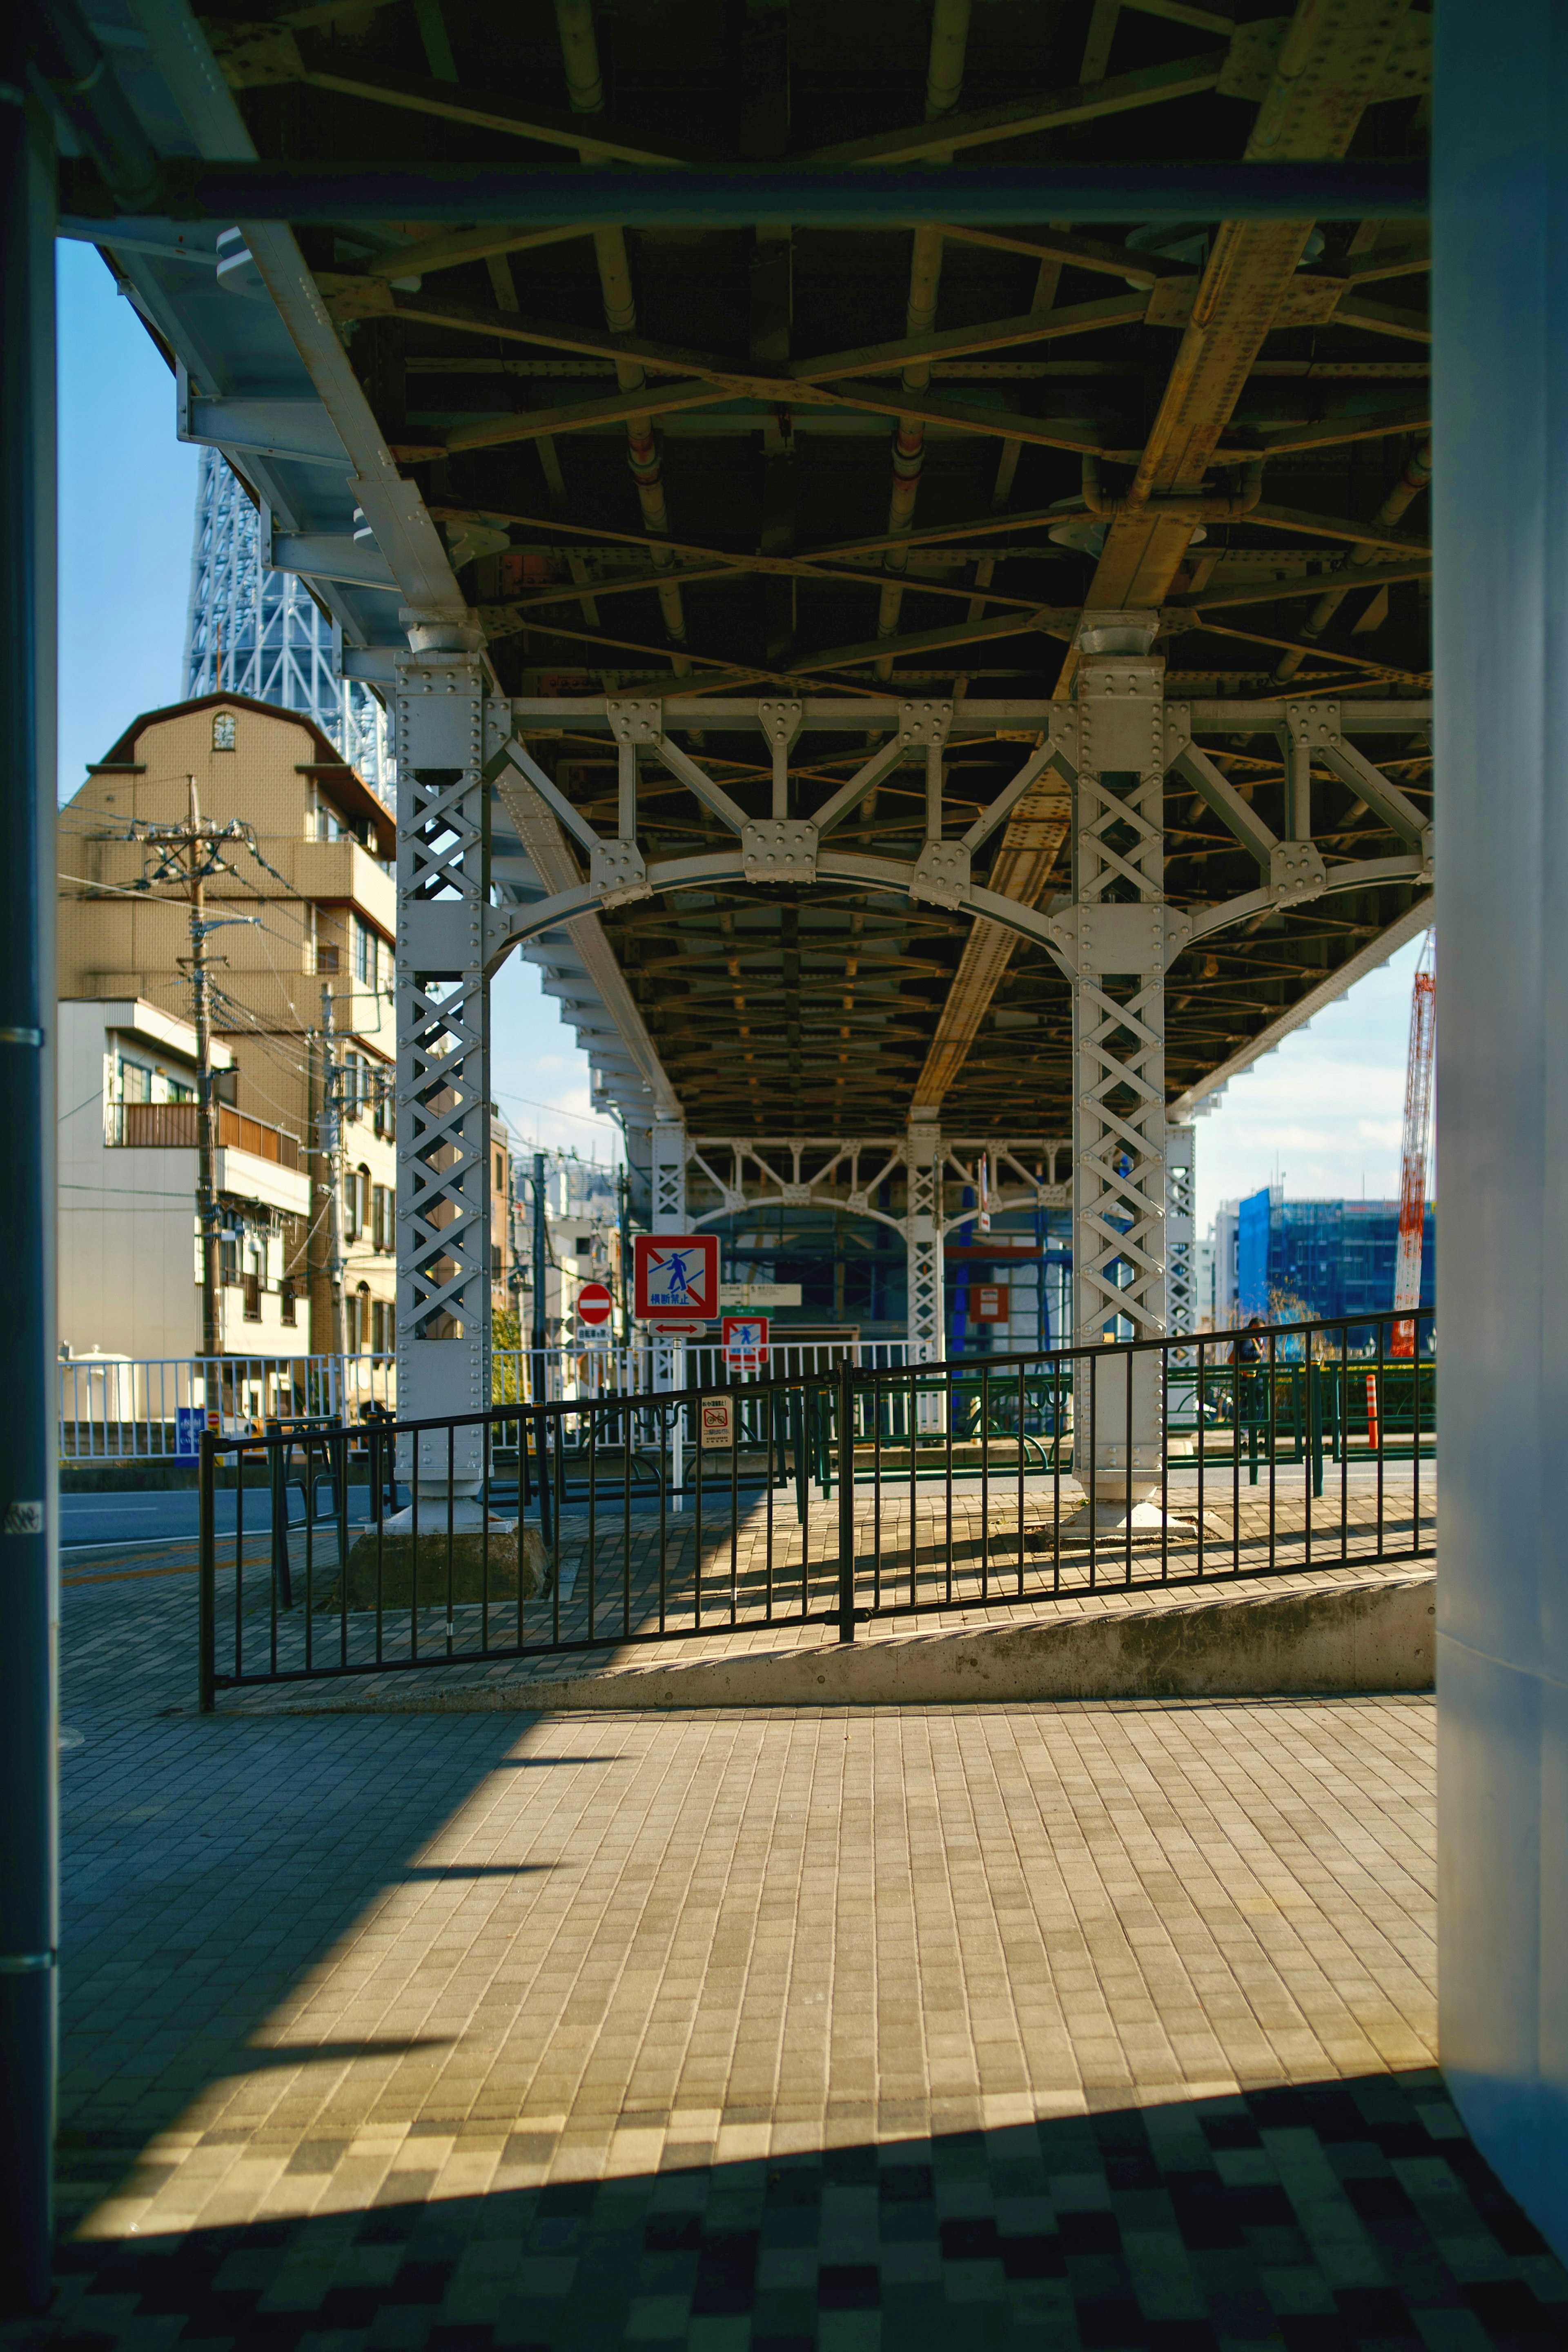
[(1094, 2025)]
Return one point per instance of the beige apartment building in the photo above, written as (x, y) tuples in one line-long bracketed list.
[(305, 869)]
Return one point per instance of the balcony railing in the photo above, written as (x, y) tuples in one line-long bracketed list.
[(172, 1127)]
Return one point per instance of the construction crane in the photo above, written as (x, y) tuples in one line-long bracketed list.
[(1417, 1130)]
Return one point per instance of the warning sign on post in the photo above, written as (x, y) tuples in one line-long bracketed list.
[(676, 1274), (744, 1338), (718, 1421)]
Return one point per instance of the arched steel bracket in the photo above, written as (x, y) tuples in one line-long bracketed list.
[(509, 928)]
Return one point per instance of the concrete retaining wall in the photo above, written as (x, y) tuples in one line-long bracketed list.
[(1375, 1634)]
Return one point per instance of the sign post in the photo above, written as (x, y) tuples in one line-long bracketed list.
[(675, 1293)]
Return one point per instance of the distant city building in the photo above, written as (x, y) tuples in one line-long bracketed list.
[(1217, 1271), (260, 633), (582, 1241), (1296, 1260)]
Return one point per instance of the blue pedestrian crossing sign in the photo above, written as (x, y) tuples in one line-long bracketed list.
[(676, 1274), (744, 1338)]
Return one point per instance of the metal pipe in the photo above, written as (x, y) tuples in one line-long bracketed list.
[(1214, 507), (1416, 475), (945, 83), (85, 88), (585, 91), (332, 1159), (997, 196), (29, 1732)]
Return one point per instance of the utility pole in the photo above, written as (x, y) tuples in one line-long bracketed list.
[(332, 1153), (624, 1221), (540, 1330), (513, 1254), (207, 1112)]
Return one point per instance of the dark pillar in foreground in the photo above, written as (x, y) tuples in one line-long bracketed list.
[(28, 1902), (1500, 520)]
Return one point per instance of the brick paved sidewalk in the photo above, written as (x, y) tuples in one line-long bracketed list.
[(1101, 2026)]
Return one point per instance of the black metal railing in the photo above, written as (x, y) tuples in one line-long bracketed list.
[(996, 1482)]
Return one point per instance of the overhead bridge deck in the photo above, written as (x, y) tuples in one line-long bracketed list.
[(932, 663)]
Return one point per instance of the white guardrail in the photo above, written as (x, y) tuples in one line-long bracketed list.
[(131, 1409)]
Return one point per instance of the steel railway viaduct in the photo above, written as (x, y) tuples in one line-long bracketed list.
[(896, 542)]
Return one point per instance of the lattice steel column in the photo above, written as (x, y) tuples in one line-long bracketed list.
[(922, 1243), (443, 1057), (668, 1178), (1181, 1242), (1118, 1043)]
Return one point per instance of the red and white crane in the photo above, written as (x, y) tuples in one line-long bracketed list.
[(1417, 1138)]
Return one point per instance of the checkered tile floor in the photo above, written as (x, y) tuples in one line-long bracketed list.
[(1305, 2218), (1101, 2026)]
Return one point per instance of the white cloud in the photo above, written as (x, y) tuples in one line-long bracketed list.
[(538, 1077), (1325, 1112)]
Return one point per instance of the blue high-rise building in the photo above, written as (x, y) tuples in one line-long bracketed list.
[(1300, 1259)]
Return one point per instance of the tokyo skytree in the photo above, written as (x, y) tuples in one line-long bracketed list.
[(259, 633)]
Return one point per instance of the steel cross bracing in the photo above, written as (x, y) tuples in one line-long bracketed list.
[(1119, 1012), (442, 1048), (254, 629), (848, 1173), (1181, 1234), (1112, 749)]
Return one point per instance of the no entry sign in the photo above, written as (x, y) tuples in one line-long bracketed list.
[(676, 1276), (594, 1304)]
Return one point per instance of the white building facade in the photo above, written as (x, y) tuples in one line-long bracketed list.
[(130, 1253)]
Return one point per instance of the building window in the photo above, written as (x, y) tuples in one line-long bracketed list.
[(385, 1106), (383, 1224), (359, 1084), (326, 959), (356, 1316), (135, 1081), (356, 1203), (223, 730), (501, 1171), (367, 955), (287, 1296), (384, 1327), (253, 1299), (229, 1260)]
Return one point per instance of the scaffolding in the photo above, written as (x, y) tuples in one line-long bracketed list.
[(260, 632)]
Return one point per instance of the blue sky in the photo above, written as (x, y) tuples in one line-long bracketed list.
[(1324, 1112)]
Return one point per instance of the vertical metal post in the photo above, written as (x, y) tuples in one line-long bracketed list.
[(332, 1159), (206, 1573), (845, 1502), (443, 1048), (1499, 311), (541, 1251), (1119, 1045), (29, 1739), (668, 1216)]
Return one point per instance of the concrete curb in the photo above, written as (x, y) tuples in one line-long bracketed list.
[(1373, 1635)]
